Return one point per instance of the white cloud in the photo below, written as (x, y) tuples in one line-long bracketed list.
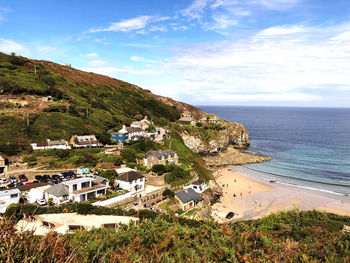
[(158, 28), (3, 13), (90, 55), (279, 4), (125, 25), (289, 63), (196, 9), (138, 23), (8, 46), (98, 63)]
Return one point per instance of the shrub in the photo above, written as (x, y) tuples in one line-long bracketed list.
[(167, 192)]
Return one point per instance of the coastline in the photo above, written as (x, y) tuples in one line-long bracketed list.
[(255, 197)]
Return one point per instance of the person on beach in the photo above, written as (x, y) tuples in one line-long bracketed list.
[(241, 194), (235, 180)]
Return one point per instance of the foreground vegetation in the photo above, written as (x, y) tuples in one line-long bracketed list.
[(286, 237)]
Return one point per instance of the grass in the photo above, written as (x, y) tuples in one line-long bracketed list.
[(191, 212)]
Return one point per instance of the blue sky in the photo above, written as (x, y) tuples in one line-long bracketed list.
[(204, 52)]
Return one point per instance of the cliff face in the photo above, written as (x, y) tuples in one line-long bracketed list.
[(232, 134)]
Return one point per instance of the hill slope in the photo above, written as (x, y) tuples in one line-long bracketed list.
[(81, 103)]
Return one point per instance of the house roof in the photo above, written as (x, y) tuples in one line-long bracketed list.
[(31, 186), (129, 176), (197, 182), (52, 143), (189, 195), (124, 170), (78, 181), (99, 179), (8, 192), (86, 138), (133, 129), (58, 190), (186, 119), (159, 154)]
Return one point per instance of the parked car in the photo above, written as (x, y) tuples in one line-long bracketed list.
[(230, 215), (11, 185), (47, 178), (3, 181), (57, 178), (19, 184), (36, 182), (41, 202), (22, 178), (40, 178), (27, 183), (13, 179)]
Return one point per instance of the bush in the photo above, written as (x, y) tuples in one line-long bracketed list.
[(159, 169), (167, 192), (109, 174)]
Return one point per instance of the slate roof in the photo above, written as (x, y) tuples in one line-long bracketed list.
[(189, 195), (197, 182), (133, 129), (99, 180), (186, 119), (58, 190), (159, 154), (129, 176), (86, 138)]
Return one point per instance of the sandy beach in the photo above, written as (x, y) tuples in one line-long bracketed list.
[(250, 198)]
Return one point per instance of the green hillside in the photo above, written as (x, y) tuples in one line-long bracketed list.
[(83, 103), (286, 237)]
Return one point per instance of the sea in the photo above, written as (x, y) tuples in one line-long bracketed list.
[(310, 147)]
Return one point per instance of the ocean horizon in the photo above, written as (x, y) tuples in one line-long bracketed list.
[(309, 146)]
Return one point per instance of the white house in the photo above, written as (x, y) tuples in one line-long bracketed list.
[(131, 181), (37, 193), (48, 144), (143, 124), (8, 197), (199, 186), (77, 190)]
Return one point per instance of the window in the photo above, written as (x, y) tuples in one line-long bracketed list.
[(85, 185), (75, 187), (14, 195), (65, 197)]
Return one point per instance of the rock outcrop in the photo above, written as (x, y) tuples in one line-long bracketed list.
[(232, 134), (232, 156)]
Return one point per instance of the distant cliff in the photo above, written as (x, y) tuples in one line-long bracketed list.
[(230, 134)]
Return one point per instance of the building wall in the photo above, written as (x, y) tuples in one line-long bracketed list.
[(185, 206), (131, 186)]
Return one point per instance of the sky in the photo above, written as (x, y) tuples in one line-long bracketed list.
[(203, 52)]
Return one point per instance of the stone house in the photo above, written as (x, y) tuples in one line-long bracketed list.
[(160, 157), (143, 124), (189, 199), (3, 165)]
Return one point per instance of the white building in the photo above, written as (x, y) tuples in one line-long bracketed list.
[(131, 181), (8, 197), (124, 170), (143, 124), (77, 190), (37, 193), (48, 144), (199, 186)]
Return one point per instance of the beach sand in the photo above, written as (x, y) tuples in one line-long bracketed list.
[(255, 199)]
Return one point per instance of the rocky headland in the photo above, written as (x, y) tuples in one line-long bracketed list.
[(233, 156)]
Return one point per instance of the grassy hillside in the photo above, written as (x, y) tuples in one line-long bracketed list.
[(286, 237), (82, 104)]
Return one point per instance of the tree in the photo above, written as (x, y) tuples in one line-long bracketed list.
[(167, 192), (128, 155), (109, 174)]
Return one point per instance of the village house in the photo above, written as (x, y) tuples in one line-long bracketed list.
[(188, 199), (188, 121), (131, 181), (34, 192), (3, 166), (128, 133), (198, 186), (160, 157), (85, 141), (8, 197), (209, 119), (143, 124), (48, 144), (77, 190)]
